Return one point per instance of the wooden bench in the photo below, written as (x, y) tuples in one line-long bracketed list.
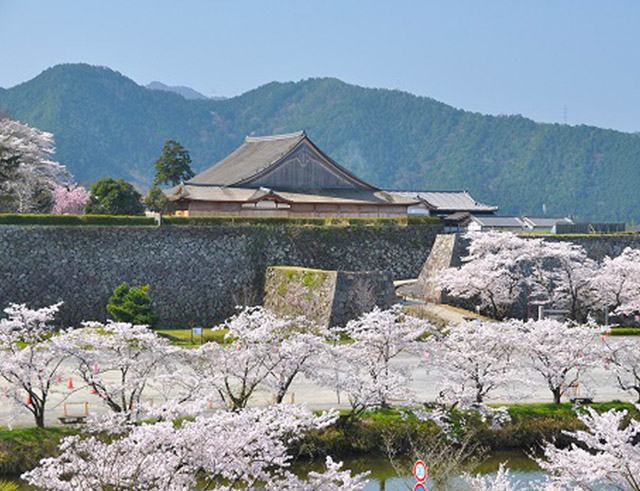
[(581, 400), (72, 417), (72, 420)]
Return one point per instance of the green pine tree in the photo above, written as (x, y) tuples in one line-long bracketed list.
[(132, 304), (174, 164)]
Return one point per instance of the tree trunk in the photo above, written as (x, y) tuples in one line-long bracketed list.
[(39, 416), (556, 395)]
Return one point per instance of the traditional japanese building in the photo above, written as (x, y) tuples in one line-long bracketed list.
[(288, 175)]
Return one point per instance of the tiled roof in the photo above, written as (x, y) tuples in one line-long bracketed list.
[(545, 221), (253, 156), (448, 200), (495, 221)]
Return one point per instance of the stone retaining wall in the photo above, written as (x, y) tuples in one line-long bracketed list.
[(197, 274)]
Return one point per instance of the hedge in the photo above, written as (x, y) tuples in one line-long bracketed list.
[(41, 219), (625, 331), (75, 220)]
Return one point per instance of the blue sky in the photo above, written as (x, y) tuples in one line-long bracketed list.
[(534, 57)]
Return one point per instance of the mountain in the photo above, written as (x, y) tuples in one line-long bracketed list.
[(186, 92), (107, 125)]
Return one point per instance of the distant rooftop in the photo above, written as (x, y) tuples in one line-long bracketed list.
[(448, 201), (545, 221), (495, 221)]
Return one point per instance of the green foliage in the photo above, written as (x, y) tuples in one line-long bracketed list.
[(156, 200), (38, 219), (132, 304), (625, 331), (174, 164), (531, 425), (22, 448), (114, 197), (8, 486), (182, 337), (106, 124)]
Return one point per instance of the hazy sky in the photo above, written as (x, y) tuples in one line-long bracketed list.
[(533, 57)]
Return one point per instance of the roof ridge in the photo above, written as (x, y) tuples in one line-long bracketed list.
[(283, 136)]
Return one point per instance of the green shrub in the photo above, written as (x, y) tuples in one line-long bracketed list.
[(422, 220), (132, 304), (136, 220), (625, 331), (41, 219), (114, 197)]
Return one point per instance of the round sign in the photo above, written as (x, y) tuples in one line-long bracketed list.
[(420, 487), (420, 471)]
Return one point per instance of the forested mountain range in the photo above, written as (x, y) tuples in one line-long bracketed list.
[(107, 125), (186, 92)]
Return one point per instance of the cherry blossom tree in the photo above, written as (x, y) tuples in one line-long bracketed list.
[(363, 369), (502, 268), (221, 451), (69, 200), (566, 274), (473, 359), (116, 360), (265, 351), (559, 352), (493, 272), (500, 482), (624, 359), (29, 362), (604, 456), (618, 282), (25, 158), (379, 336)]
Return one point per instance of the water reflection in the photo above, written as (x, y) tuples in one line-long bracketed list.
[(383, 477)]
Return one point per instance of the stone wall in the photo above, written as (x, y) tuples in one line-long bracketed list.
[(329, 298), (445, 253), (292, 292), (197, 274)]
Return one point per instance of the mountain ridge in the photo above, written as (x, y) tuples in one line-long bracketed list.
[(184, 91), (107, 124)]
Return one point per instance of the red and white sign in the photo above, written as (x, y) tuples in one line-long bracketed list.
[(420, 487), (420, 471)]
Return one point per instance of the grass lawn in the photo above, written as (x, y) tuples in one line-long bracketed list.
[(625, 331), (182, 337), (564, 409), (22, 448)]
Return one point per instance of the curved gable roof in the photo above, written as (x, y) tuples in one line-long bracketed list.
[(259, 156), (252, 157)]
